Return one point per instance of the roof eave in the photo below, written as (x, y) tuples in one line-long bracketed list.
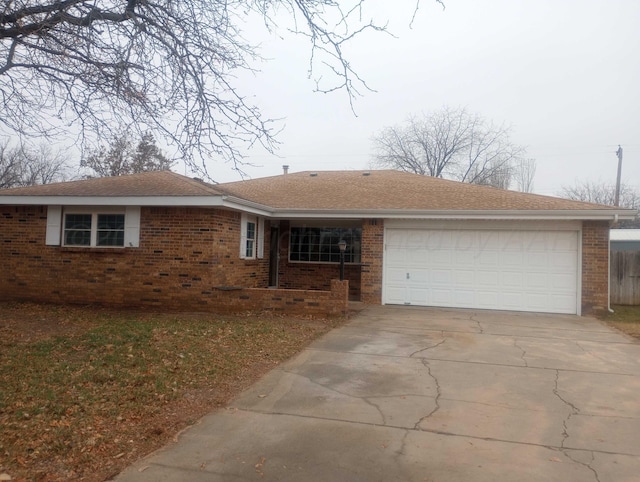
[(112, 200), (595, 215), (236, 203), (230, 202)]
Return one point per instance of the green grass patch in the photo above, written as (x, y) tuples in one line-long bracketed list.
[(85, 401), (625, 318)]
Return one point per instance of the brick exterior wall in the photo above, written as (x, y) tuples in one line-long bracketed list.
[(188, 257), (312, 276), (372, 249), (184, 253), (595, 266)]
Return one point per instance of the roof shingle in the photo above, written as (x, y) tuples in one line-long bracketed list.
[(337, 191), (388, 190), (156, 183)]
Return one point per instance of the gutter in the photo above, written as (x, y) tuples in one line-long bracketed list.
[(236, 203), (592, 215)]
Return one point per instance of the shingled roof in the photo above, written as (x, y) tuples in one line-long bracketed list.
[(156, 183), (389, 190), (340, 193)]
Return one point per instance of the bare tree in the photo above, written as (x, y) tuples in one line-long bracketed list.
[(166, 66), (122, 156), (450, 143), (604, 193), (525, 173), (24, 166)]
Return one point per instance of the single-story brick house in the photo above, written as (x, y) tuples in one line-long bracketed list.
[(163, 240)]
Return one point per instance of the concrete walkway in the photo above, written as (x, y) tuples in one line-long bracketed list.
[(425, 394)]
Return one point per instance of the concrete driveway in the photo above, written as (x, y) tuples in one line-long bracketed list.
[(425, 394)]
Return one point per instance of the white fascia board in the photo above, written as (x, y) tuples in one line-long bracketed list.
[(603, 215), (112, 200), (239, 204), (247, 206), (157, 201)]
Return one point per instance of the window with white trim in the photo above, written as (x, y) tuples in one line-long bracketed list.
[(93, 229), (93, 226), (320, 244), (250, 240), (251, 237)]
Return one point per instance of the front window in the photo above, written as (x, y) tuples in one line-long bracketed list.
[(94, 229), (320, 244), (250, 245), (77, 229)]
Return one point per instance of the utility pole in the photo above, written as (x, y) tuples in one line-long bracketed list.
[(619, 154)]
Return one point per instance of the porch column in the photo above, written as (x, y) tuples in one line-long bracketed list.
[(595, 266), (371, 258)]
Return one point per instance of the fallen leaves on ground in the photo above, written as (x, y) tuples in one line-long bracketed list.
[(84, 392)]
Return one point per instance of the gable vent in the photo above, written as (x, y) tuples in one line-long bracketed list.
[(366, 173), (314, 174)]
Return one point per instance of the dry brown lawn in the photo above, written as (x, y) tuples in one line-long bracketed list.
[(84, 392)]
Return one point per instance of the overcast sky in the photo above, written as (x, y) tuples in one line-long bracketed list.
[(564, 74)]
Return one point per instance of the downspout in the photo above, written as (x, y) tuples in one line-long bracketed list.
[(609, 283), (615, 220)]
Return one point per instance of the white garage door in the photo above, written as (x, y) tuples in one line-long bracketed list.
[(487, 269)]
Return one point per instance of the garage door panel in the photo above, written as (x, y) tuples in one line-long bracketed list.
[(485, 299), (464, 278), (464, 240), (562, 241), (511, 259), (488, 278), (441, 277), (536, 281), (562, 260), (561, 282), (395, 275), (513, 279), (396, 256), (464, 259), (538, 301), (536, 260), (492, 269), (462, 298), (511, 300), (563, 304), (418, 296), (442, 257), (396, 295), (418, 276), (488, 258)]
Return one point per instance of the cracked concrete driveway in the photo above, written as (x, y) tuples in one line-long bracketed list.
[(426, 394)]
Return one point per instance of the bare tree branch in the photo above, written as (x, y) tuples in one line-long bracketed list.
[(25, 166), (525, 174), (602, 193), (123, 156), (93, 66), (450, 143)]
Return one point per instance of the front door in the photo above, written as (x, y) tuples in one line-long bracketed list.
[(274, 257)]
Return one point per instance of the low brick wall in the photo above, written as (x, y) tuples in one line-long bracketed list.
[(301, 302)]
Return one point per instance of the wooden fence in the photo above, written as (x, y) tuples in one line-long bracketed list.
[(625, 277)]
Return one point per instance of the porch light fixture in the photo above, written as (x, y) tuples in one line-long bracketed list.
[(342, 245)]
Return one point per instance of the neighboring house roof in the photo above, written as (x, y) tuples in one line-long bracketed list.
[(624, 235), (346, 194)]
